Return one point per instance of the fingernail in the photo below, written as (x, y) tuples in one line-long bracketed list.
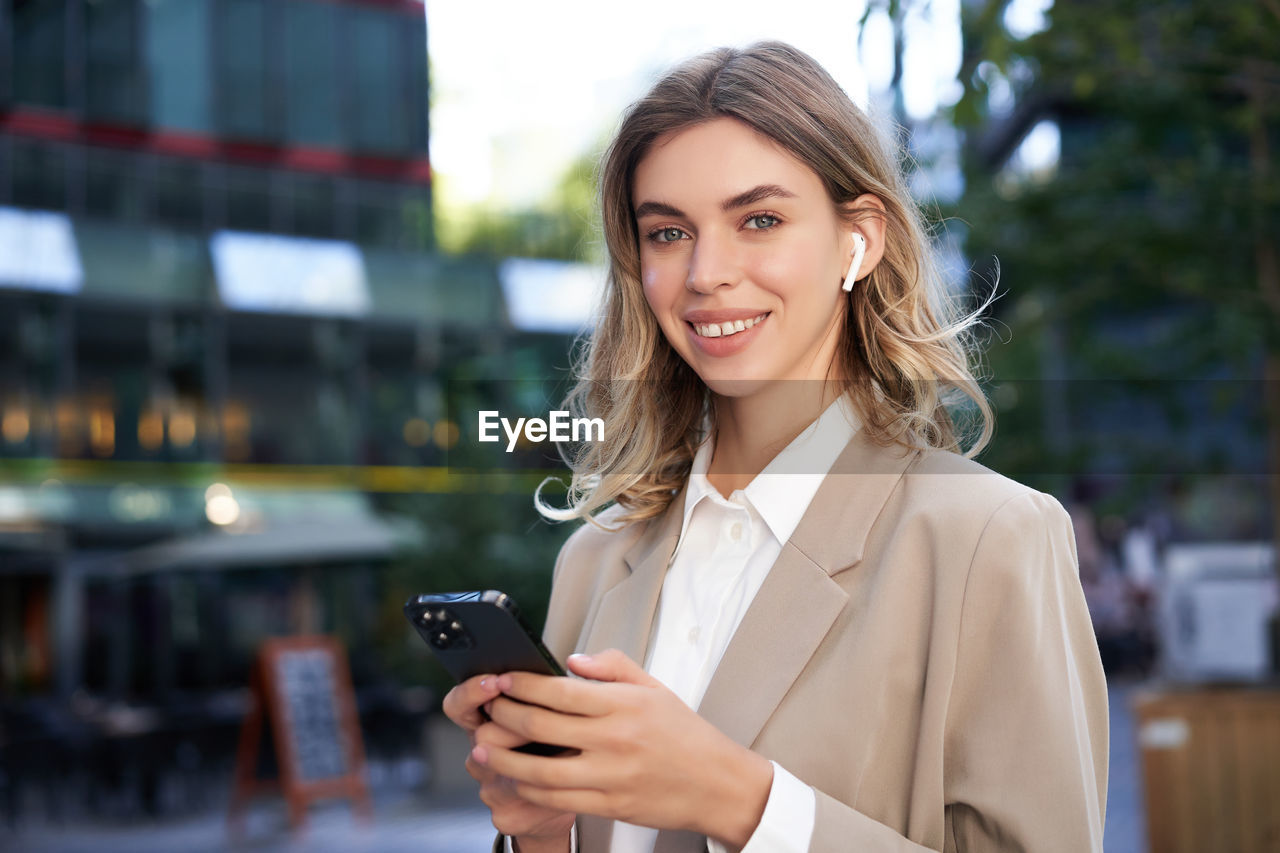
[(579, 658), (480, 754), (504, 682), (485, 683)]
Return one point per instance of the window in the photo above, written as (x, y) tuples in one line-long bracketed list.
[(392, 215), (311, 74), (415, 214), (377, 214), (416, 87), (178, 193), (178, 47), (378, 121), (6, 170), (112, 189), (113, 72), (248, 199), (38, 170), (39, 52), (243, 72), (314, 202)]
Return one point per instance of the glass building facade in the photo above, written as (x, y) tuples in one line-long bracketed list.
[(216, 267), (293, 116)]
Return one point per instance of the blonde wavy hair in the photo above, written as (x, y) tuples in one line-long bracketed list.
[(905, 348)]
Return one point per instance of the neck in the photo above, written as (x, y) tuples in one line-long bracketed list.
[(752, 430)]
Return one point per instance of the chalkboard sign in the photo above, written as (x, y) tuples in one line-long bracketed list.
[(305, 679), (301, 687)]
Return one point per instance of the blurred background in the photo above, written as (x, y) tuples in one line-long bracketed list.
[(262, 260)]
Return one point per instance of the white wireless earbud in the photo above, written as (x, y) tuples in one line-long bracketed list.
[(859, 249)]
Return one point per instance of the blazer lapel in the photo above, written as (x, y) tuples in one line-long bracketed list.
[(790, 615), (625, 617), (799, 599)]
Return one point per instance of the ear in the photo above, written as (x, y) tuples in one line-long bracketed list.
[(866, 215)]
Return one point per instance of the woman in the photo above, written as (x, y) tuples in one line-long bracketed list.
[(886, 643)]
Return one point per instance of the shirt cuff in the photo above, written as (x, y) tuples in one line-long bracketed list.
[(787, 823), (573, 840)]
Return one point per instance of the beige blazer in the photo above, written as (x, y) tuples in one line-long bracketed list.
[(920, 654)]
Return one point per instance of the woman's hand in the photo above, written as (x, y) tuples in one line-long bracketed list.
[(644, 756), (536, 828)]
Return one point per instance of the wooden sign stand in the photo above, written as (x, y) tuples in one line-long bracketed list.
[(302, 687)]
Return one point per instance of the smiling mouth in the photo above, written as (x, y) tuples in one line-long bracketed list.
[(724, 330)]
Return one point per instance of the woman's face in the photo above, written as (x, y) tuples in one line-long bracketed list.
[(742, 255)]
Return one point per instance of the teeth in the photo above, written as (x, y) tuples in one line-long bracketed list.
[(732, 327)]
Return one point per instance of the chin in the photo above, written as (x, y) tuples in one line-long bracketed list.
[(732, 386), (737, 377)]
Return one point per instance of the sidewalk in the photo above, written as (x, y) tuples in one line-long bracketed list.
[(454, 824), (1126, 829), (445, 817), (453, 820)]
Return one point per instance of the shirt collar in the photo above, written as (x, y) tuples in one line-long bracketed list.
[(781, 493)]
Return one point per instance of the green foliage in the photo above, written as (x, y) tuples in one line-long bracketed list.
[(1156, 189), (562, 227), (1140, 256)]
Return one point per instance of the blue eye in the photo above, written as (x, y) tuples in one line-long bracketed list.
[(763, 220), (666, 235)]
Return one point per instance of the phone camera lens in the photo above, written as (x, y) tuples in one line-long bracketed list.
[(444, 631)]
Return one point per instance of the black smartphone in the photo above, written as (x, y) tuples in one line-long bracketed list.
[(473, 633)]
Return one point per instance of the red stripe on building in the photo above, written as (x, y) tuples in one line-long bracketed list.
[(57, 126), (39, 123)]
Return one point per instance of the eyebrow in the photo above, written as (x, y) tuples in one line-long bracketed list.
[(751, 196)]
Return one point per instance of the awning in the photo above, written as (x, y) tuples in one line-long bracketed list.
[(296, 542)]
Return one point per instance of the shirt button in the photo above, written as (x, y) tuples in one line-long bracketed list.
[(736, 531), (693, 634)]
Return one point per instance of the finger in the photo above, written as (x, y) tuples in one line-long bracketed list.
[(578, 800), (496, 734), (501, 798), (566, 695), (610, 665), (479, 772), (515, 816), (555, 772), (537, 724), (462, 703)]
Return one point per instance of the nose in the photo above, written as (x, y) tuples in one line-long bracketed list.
[(712, 264)]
